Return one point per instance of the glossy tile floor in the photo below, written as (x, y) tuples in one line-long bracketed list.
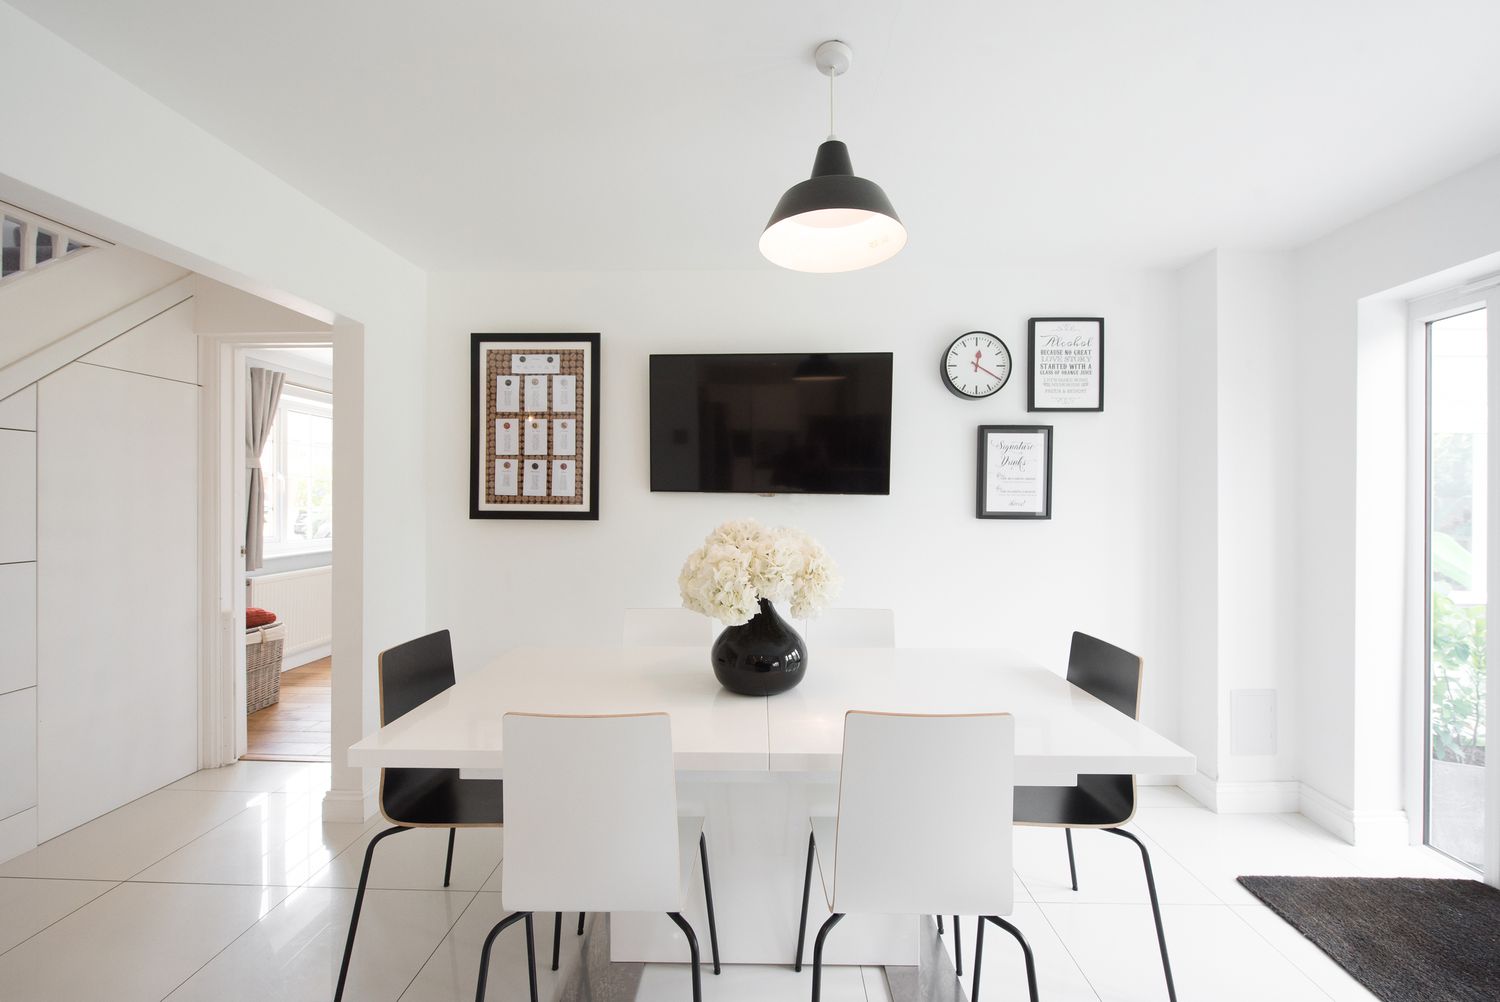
[(226, 886)]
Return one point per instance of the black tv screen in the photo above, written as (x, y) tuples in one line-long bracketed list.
[(772, 424)]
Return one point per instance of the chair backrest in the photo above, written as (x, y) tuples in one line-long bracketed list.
[(414, 672), (925, 808), (1106, 672), (853, 628), (590, 814), (666, 628)]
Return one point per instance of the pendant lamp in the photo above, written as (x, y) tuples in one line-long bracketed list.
[(833, 221)]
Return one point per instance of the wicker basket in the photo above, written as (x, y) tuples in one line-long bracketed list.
[(263, 646)]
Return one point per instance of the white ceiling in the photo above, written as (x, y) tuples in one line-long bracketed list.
[(568, 134)]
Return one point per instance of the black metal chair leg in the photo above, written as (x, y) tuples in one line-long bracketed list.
[(978, 959), (708, 900), (484, 954), (359, 901), (806, 890), (692, 939), (448, 867), (817, 987), (1025, 952), (580, 923), (531, 955), (958, 949), (940, 924), (1161, 936), (1072, 868), (556, 938)]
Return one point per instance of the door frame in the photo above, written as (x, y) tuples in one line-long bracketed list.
[(223, 358)]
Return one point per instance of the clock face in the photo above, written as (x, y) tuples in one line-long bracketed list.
[(976, 365)]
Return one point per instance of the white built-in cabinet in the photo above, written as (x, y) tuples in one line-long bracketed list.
[(99, 593)]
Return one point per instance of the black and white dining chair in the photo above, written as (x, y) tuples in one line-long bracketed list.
[(592, 826), (923, 827), (1113, 676), (409, 675), (666, 628)]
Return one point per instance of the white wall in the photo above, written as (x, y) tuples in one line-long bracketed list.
[(1351, 558), (174, 191), (1105, 563)]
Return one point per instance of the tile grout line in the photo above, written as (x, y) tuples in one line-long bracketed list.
[(439, 944), (1069, 951), (116, 886), (217, 953), (1234, 910)]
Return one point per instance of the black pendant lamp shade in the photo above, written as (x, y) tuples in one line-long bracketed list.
[(833, 221)]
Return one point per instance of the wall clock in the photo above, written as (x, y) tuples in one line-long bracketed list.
[(976, 365)]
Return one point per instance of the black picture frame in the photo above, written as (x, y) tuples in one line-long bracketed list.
[(982, 508), (1032, 380), (478, 419)]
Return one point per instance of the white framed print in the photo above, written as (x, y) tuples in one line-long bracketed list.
[(1015, 471), (1065, 359)]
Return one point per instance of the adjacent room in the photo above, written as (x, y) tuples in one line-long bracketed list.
[(748, 584)]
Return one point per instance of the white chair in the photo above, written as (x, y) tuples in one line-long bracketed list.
[(591, 825), (852, 628), (666, 628), (924, 826)]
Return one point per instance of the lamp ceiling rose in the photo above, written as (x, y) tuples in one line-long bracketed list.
[(833, 58)]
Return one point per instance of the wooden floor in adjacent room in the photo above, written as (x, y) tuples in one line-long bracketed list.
[(295, 729)]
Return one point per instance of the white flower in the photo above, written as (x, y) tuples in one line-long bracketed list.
[(742, 562)]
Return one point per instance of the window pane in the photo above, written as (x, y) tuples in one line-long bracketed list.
[(309, 476), (10, 248), (1456, 549), (43, 246)]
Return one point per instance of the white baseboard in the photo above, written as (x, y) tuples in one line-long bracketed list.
[(349, 806), (1223, 797), (17, 834), (296, 659), (1362, 828)]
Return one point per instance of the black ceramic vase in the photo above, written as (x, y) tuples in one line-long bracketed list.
[(761, 658)]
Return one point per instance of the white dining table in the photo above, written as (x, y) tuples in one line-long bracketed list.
[(755, 767)]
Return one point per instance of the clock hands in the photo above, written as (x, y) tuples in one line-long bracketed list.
[(979, 368)]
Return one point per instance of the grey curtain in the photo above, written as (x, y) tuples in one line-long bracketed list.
[(265, 394)]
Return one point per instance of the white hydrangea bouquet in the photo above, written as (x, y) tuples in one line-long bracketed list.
[(743, 563)]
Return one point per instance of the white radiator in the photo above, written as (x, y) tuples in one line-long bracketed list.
[(303, 600)]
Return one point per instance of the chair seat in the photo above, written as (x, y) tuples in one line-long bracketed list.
[(438, 798), (1096, 802)]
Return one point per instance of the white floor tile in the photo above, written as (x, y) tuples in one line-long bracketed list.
[(452, 972), (29, 906), (280, 839), (261, 777), (1059, 979), (127, 840), (1218, 848), (134, 943), (1215, 955), (293, 954), (413, 860), (1110, 870), (1319, 968), (750, 983), (1382, 860)]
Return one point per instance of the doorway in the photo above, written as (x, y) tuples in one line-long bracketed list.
[(1457, 547), (288, 398)]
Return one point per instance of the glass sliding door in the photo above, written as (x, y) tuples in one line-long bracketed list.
[(1457, 534)]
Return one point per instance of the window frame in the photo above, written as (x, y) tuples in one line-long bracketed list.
[(303, 400)]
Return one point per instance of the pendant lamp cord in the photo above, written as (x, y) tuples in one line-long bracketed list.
[(831, 133)]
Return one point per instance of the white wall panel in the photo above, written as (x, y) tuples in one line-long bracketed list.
[(17, 496), (17, 752), (19, 410), (17, 628), (116, 590), (162, 346)]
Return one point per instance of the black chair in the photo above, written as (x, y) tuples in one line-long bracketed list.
[(409, 675), (1113, 676)]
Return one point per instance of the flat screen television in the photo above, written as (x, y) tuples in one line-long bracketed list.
[(772, 424)]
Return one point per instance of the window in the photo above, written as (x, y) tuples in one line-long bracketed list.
[(27, 241), (297, 465)]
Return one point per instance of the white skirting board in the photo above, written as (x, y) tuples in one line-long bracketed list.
[(303, 601)]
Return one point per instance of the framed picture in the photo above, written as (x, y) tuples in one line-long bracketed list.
[(1015, 471), (1066, 359), (534, 426)]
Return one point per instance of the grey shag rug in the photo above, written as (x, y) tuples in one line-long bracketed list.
[(1406, 939)]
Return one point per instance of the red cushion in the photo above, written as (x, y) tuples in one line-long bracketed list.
[(258, 617)]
